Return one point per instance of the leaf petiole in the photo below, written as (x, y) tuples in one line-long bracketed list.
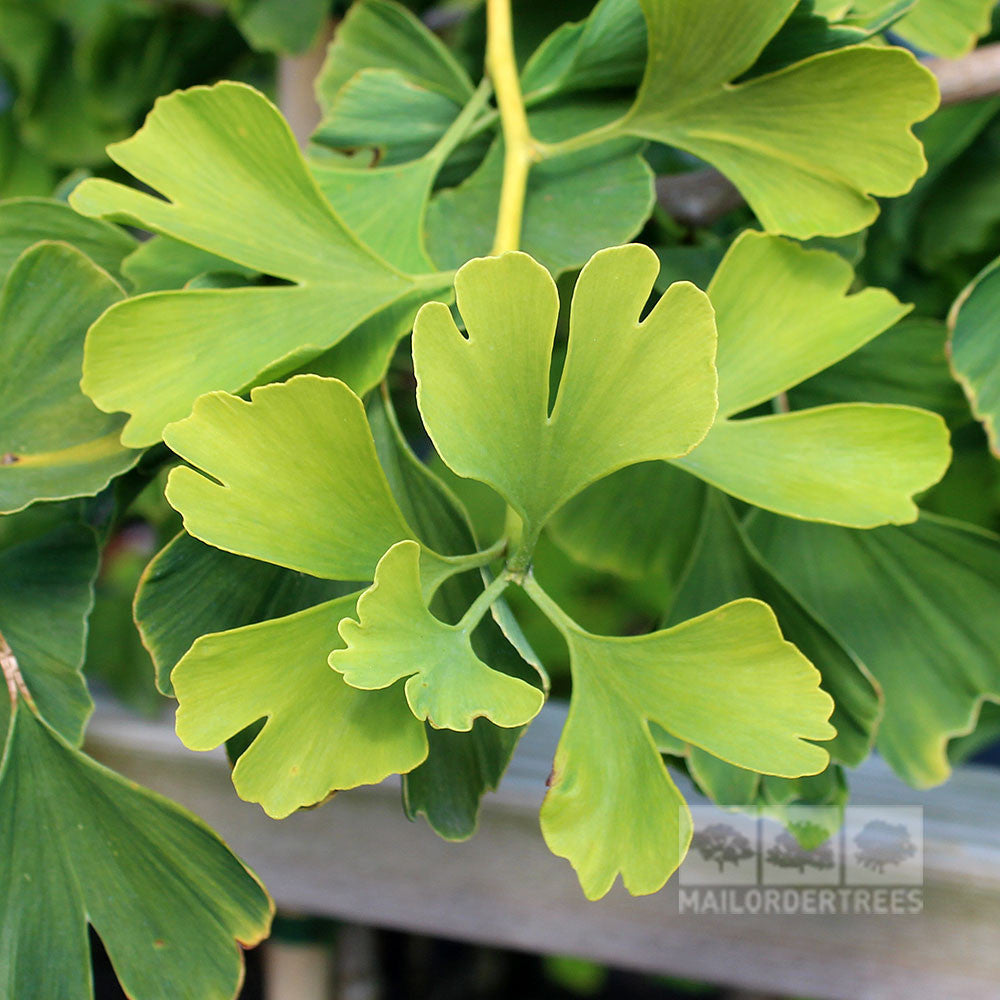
[(483, 603), (549, 608)]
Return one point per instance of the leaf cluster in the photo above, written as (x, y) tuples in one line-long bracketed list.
[(697, 479)]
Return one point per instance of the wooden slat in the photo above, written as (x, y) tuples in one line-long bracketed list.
[(359, 859)]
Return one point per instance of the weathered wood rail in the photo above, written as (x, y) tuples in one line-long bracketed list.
[(359, 859)]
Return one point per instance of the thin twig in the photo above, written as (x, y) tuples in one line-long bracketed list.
[(970, 78)]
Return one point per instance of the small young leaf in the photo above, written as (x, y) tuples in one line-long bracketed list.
[(396, 636), (629, 391), (320, 736), (164, 894), (460, 767)]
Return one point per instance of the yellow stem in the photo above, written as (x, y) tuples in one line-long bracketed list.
[(519, 147)]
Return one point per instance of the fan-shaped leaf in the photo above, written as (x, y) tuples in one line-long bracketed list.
[(809, 145), (320, 736), (395, 636), (629, 391), (694, 680), (322, 507), (249, 198), (164, 894)]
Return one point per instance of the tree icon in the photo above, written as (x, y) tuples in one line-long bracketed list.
[(880, 844), (787, 852), (722, 844)]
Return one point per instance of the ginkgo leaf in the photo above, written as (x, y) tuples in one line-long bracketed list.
[(165, 895), (54, 443), (320, 735), (322, 507), (385, 35), (973, 349), (48, 563), (726, 682), (190, 589), (249, 198), (27, 221), (918, 605), (783, 314), (947, 28), (629, 391), (725, 566), (395, 636), (854, 464), (809, 145)]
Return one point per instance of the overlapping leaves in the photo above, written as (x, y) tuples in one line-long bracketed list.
[(803, 143), (250, 199), (333, 257), (784, 316), (241, 502), (855, 464), (247, 507)]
